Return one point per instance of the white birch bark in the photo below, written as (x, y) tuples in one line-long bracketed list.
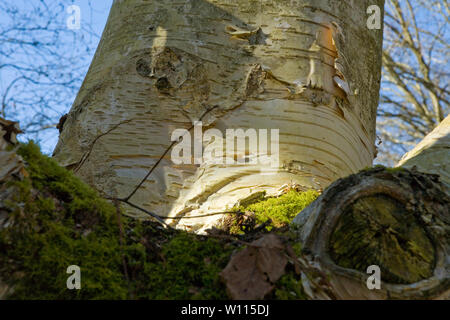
[(310, 68), (432, 154)]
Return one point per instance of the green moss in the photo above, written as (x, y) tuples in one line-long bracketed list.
[(296, 246), (395, 169), (289, 287), (281, 210), (378, 230), (189, 269), (56, 221)]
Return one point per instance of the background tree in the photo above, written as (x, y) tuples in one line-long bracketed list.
[(415, 91), (42, 64)]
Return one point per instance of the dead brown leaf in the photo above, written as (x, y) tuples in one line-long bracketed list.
[(252, 272)]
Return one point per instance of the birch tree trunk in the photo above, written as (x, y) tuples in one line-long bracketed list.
[(310, 68)]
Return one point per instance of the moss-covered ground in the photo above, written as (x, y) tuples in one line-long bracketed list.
[(55, 220), (283, 209), (271, 213)]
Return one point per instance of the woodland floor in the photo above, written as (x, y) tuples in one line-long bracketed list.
[(55, 220)]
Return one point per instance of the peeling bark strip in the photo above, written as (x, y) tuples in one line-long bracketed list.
[(309, 68)]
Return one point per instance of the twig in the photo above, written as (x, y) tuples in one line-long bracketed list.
[(162, 157)]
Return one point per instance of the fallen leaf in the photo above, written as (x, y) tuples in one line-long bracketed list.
[(252, 272)]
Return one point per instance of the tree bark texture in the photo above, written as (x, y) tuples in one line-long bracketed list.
[(310, 68), (397, 219)]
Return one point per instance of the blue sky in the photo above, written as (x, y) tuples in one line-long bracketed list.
[(94, 13), (75, 48)]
